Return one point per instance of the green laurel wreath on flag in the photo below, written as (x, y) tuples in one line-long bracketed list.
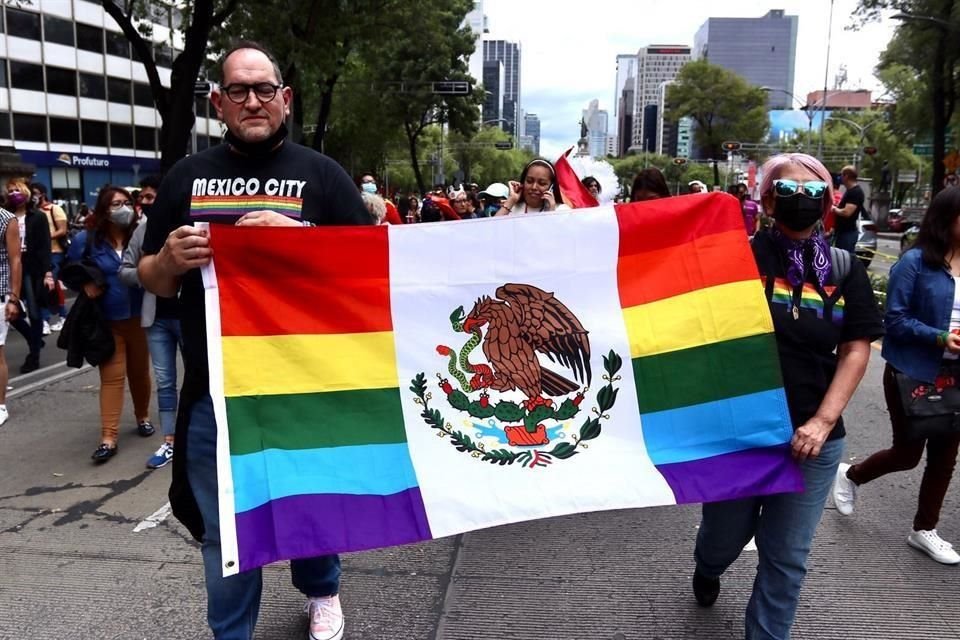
[(589, 430)]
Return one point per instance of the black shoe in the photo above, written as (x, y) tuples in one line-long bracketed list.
[(103, 453), (32, 363), (145, 428), (705, 589)]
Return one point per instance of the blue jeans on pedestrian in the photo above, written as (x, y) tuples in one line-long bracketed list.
[(233, 603), (163, 338), (847, 240), (783, 525), (56, 260)]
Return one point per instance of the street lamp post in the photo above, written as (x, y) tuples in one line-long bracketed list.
[(938, 89), (862, 130), (826, 74)]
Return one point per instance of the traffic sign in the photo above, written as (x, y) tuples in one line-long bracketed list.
[(503, 145), (923, 150), (907, 176), (451, 88)]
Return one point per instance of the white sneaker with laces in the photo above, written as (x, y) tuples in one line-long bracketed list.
[(4, 414), (934, 546), (326, 618), (844, 491), (46, 328), (57, 326)]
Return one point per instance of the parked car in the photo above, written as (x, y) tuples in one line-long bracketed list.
[(867, 240)]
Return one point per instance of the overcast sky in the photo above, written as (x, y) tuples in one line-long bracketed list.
[(569, 49)]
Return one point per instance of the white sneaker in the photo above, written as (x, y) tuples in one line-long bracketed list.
[(844, 491), (46, 328), (57, 326), (934, 546), (326, 618), (4, 414)]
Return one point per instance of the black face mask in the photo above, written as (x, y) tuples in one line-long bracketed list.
[(799, 212)]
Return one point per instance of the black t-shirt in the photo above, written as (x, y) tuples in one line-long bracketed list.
[(219, 186), (853, 195), (827, 316)]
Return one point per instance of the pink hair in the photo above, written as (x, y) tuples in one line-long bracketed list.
[(773, 169)]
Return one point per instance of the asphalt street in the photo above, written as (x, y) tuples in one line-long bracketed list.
[(89, 552)]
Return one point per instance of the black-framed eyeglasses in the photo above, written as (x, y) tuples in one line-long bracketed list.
[(238, 91)]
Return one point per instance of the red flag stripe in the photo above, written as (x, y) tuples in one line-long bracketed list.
[(648, 226)]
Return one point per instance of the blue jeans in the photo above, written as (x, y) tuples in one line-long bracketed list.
[(784, 526), (163, 337), (233, 603), (847, 240)]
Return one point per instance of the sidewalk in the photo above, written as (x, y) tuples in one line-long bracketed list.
[(72, 566)]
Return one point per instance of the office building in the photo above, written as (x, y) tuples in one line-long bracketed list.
[(531, 132), (597, 121), (75, 102), (761, 50), (493, 78), (507, 53), (666, 135), (656, 64), (626, 79), (477, 23)]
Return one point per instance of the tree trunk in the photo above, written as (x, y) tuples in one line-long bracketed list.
[(326, 105), (412, 136)]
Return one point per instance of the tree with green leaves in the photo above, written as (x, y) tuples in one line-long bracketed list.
[(724, 106), (201, 19), (928, 43)]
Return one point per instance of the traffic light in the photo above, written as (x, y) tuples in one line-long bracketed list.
[(731, 146), (679, 161), (870, 150)]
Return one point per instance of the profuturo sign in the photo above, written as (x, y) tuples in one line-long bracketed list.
[(83, 160), (90, 161)]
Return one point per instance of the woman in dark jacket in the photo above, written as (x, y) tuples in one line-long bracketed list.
[(112, 223), (923, 320), (37, 268)]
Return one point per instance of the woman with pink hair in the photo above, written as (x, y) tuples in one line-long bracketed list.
[(824, 318)]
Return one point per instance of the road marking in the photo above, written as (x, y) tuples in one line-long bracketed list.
[(39, 384), (33, 374), (154, 518)]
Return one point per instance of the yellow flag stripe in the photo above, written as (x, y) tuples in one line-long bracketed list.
[(271, 365), (705, 316)]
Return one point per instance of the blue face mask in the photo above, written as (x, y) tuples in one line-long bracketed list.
[(369, 187)]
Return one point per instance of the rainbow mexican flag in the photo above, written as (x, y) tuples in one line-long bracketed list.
[(383, 385)]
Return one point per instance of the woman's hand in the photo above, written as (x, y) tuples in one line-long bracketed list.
[(11, 310), (809, 438), (48, 281), (516, 191), (92, 291), (549, 201), (952, 343)]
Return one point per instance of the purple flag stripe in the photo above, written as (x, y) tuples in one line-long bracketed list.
[(319, 524), (734, 475)]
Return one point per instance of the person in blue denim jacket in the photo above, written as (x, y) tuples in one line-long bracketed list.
[(112, 223), (923, 323)]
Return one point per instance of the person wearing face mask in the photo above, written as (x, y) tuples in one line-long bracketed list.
[(368, 185), (57, 222), (824, 318), (37, 268), (535, 192), (111, 226)]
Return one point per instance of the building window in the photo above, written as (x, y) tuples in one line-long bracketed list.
[(29, 128), (89, 38), (142, 95), (121, 135), (24, 75), (5, 125), (58, 30), (64, 130), (146, 138), (92, 86), (62, 81), (23, 24), (200, 105), (117, 44), (3, 73), (163, 55), (94, 132), (118, 90)]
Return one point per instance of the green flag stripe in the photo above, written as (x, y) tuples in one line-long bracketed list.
[(315, 420), (708, 373)]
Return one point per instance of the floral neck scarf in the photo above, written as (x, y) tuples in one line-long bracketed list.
[(813, 252)]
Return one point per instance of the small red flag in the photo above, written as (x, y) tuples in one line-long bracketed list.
[(571, 189)]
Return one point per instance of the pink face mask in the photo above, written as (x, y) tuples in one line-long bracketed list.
[(16, 198)]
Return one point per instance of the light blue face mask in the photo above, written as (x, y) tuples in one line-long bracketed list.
[(369, 187)]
